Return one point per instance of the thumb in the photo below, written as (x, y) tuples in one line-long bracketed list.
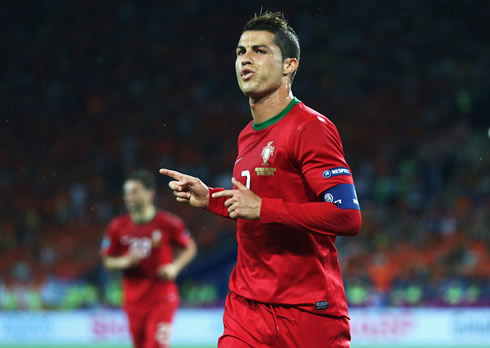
[(238, 184)]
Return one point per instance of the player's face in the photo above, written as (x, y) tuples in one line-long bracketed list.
[(136, 195), (259, 64)]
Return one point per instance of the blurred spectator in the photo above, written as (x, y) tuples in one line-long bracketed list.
[(93, 90)]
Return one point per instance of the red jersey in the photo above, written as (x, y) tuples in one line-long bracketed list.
[(295, 163), (154, 239)]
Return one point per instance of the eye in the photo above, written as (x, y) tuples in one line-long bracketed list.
[(239, 52), (259, 51)]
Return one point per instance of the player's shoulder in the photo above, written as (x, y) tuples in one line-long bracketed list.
[(309, 117), (120, 221), (246, 130), (166, 217)]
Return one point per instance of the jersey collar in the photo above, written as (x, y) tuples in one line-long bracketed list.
[(277, 118)]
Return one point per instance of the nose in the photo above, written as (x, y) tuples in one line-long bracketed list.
[(246, 58)]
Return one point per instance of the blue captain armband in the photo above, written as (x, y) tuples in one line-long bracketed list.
[(342, 195)]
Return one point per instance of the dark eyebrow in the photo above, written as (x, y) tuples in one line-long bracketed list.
[(253, 47)]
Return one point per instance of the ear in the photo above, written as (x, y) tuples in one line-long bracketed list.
[(289, 65)]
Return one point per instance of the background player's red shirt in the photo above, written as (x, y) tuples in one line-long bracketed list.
[(288, 256), (141, 285)]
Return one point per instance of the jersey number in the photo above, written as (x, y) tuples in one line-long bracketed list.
[(140, 246), (246, 173)]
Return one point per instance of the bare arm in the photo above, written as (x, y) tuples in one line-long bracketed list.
[(121, 262), (184, 257)]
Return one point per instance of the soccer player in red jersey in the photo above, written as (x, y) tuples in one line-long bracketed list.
[(293, 194), (140, 244)]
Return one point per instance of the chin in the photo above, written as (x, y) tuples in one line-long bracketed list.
[(131, 208), (251, 92), (248, 88), (256, 96)]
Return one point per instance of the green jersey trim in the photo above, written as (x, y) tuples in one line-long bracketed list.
[(277, 118)]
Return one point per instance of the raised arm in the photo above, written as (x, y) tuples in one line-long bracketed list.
[(188, 189), (340, 216), (192, 191), (320, 217)]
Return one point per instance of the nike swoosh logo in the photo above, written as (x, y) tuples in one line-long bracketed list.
[(238, 160)]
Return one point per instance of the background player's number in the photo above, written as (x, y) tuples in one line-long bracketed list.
[(140, 246), (246, 173), (162, 334)]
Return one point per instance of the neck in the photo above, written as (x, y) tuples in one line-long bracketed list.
[(266, 107), (144, 215)]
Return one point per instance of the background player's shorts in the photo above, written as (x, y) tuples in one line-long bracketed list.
[(151, 329), (254, 324)]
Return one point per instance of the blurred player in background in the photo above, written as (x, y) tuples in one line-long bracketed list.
[(140, 244), (293, 194)]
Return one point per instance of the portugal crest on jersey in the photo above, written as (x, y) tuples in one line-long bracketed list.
[(267, 153)]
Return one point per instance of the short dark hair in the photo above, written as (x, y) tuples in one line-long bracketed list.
[(284, 36), (145, 177)]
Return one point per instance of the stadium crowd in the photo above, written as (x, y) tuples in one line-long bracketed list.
[(92, 90)]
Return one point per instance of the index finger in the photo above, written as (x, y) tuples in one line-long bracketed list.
[(171, 173), (224, 193)]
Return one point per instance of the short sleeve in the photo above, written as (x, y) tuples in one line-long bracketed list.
[(320, 155), (110, 243), (181, 235)]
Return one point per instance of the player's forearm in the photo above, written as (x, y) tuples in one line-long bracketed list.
[(116, 262), (217, 205), (170, 271), (320, 217), (185, 256)]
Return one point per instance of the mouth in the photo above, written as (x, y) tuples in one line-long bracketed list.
[(247, 74)]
